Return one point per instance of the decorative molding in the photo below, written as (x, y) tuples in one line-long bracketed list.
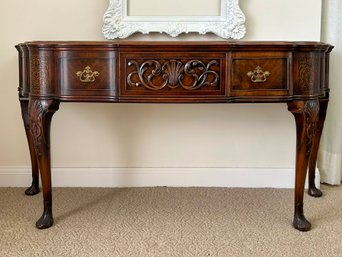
[(230, 24), (172, 74), (143, 177)]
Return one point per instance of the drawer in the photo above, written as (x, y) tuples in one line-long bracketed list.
[(260, 74), (172, 74), (87, 73)]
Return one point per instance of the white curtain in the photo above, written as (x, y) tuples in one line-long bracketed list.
[(330, 152)]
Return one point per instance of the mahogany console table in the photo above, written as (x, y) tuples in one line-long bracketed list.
[(295, 73)]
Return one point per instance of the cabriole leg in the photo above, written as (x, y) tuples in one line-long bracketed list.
[(306, 116), (34, 188), (313, 190), (41, 112)]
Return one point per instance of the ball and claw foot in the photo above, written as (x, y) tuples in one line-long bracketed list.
[(32, 190), (45, 221), (301, 223), (315, 192)]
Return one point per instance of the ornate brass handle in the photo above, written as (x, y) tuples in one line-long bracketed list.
[(258, 75), (87, 75)]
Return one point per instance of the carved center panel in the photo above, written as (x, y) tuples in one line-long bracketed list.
[(168, 74), (163, 74)]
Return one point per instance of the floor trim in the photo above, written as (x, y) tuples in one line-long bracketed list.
[(143, 177)]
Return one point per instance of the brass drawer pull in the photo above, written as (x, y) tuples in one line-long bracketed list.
[(258, 75), (87, 75)]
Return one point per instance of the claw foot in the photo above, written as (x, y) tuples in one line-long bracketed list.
[(301, 223), (45, 221), (32, 190), (315, 192)]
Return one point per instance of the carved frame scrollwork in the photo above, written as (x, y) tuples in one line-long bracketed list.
[(229, 24)]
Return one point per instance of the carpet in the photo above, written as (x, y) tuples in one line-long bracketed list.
[(170, 222)]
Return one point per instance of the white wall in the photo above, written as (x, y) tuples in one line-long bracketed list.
[(144, 136), (172, 8)]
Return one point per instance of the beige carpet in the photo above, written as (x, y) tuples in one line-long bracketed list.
[(170, 222)]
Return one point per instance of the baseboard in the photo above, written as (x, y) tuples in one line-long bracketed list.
[(142, 177)]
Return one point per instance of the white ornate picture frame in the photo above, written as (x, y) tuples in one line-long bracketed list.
[(229, 24)]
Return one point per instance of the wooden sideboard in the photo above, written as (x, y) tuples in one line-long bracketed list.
[(295, 73)]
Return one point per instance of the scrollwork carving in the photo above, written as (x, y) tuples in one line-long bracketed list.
[(306, 115), (40, 114), (36, 111), (311, 109), (154, 75)]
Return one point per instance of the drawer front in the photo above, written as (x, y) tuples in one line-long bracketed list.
[(87, 73), (260, 74), (172, 74)]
